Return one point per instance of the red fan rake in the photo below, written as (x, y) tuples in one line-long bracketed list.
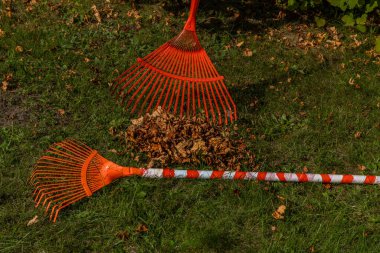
[(70, 171), (178, 76)]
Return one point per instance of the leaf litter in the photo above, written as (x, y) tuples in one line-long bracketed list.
[(166, 140)]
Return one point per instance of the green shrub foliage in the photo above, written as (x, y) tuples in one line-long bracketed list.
[(354, 13)]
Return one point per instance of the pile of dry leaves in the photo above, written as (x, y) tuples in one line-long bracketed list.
[(304, 37), (167, 139)]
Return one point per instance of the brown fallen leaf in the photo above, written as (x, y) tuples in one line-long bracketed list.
[(138, 121), (134, 14), (86, 60), (19, 49), (247, 52), (279, 213), (4, 86), (96, 14), (239, 44), (142, 228), (34, 220), (2, 33), (30, 5), (61, 112), (7, 5), (69, 87), (358, 134), (199, 146), (362, 167), (113, 151)]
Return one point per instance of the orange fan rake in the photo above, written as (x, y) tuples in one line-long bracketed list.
[(178, 76), (71, 171)]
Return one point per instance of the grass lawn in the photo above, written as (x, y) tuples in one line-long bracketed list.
[(316, 108)]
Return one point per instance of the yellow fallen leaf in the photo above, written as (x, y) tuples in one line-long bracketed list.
[(137, 121), (33, 221), (279, 213), (240, 44)]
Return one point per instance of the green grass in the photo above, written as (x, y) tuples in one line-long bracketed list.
[(310, 122)]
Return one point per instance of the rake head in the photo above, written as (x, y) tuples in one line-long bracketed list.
[(70, 171), (178, 76)]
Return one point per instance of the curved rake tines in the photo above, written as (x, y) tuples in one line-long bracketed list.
[(180, 77), (58, 176)]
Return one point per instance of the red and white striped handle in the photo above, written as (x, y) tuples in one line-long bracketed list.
[(262, 176)]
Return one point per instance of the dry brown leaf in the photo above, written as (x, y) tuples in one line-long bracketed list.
[(34, 220), (239, 44), (4, 86), (247, 52), (362, 167), (134, 14), (7, 5), (86, 60), (61, 112), (141, 228), (96, 13), (30, 4), (2, 33), (279, 213), (19, 49), (113, 151), (199, 146), (69, 87), (358, 134)]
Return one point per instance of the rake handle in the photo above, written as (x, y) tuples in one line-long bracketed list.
[(259, 176), (190, 23)]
